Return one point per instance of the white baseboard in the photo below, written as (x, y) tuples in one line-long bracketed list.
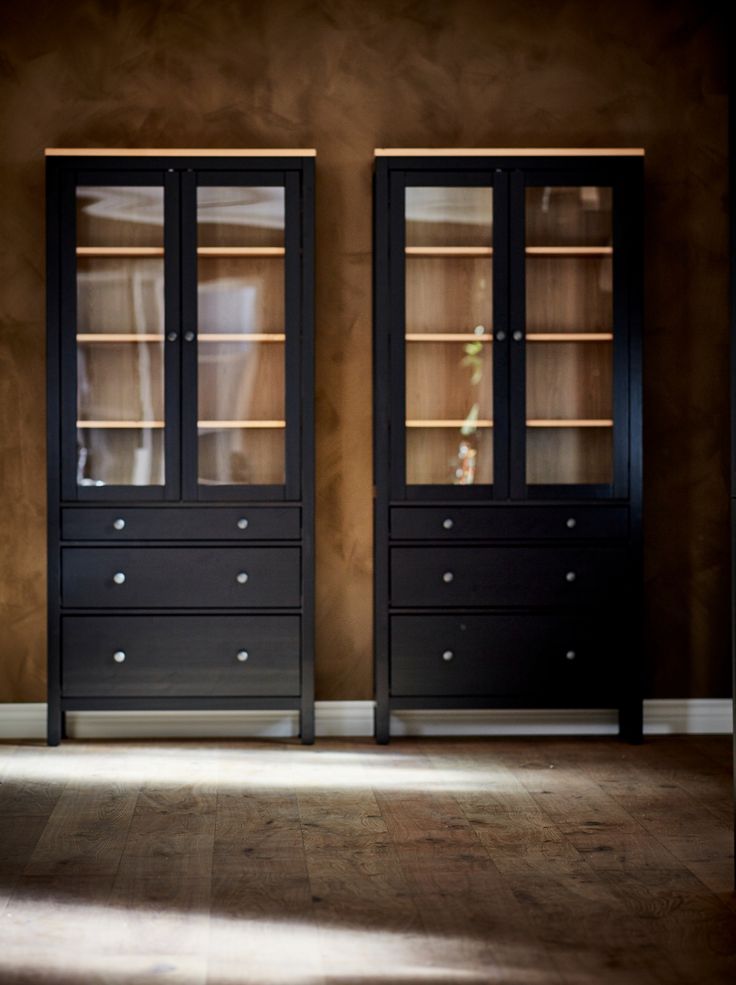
[(355, 718)]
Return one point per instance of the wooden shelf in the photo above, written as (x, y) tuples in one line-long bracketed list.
[(449, 251), (449, 424), (118, 337), (120, 424), (447, 337), (576, 423), (241, 337), (120, 251), (241, 251), (241, 424), (569, 337), (569, 251)]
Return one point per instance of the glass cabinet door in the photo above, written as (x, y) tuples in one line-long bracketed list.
[(570, 335), (241, 353), (448, 333), (119, 335)]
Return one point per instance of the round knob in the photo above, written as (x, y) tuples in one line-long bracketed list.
[(570, 576), (448, 524), (119, 524), (172, 336), (500, 336), (447, 577), (517, 336), (241, 577), (189, 336), (119, 577), (570, 655), (119, 656), (447, 655), (571, 522), (242, 656), (242, 523)]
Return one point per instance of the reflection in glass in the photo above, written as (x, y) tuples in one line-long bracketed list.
[(240, 215), (569, 456), (448, 322), (241, 456), (120, 216), (116, 294), (240, 294), (120, 381), (120, 456), (569, 216), (459, 216), (569, 380)]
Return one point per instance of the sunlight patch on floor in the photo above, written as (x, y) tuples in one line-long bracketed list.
[(232, 769)]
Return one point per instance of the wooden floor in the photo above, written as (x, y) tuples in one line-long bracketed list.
[(585, 862)]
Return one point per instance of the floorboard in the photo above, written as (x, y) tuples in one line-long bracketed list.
[(425, 862)]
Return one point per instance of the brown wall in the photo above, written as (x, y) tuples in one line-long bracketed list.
[(345, 76)]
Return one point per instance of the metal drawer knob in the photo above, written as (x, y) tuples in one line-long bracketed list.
[(448, 524), (189, 336), (518, 336), (241, 577), (570, 576), (500, 336), (119, 577), (571, 522), (447, 577), (172, 336), (570, 655), (119, 656), (448, 655), (242, 523), (119, 524), (242, 656)]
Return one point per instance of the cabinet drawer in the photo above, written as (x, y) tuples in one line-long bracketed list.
[(146, 577), (542, 655), (451, 576), (179, 656), (509, 523), (198, 523)]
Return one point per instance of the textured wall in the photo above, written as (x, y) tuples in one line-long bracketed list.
[(345, 76)]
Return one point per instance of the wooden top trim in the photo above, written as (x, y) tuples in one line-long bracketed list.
[(178, 152), (509, 152)]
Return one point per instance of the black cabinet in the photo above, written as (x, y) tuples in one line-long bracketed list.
[(180, 431), (508, 431)]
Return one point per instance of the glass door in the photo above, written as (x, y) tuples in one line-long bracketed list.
[(120, 420), (243, 262), (447, 345), (572, 331)]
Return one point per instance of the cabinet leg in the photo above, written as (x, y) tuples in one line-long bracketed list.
[(382, 723), (630, 722), (306, 725), (55, 726)]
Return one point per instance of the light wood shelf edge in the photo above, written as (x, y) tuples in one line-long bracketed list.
[(241, 251), (569, 251), (569, 337), (448, 424), (447, 337), (570, 423), (120, 251), (179, 152), (117, 337), (241, 337), (448, 251), (241, 424), (509, 152), (120, 424)]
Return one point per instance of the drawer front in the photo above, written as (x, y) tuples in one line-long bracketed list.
[(509, 523), (545, 656), (505, 576), (179, 656), (147, 577), (198, 523)]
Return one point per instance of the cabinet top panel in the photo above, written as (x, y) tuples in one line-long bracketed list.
[(509, 152), (178, 152)]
